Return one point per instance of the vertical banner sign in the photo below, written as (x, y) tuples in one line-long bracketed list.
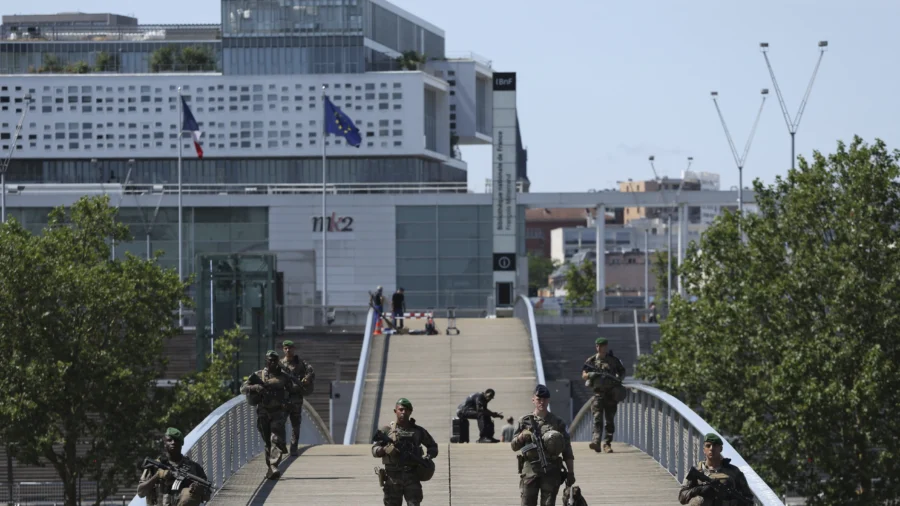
[(504, 163)]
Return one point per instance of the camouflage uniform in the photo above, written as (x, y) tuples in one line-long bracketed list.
[(160, 493), (401, 481), (271, 413), (533, 481), (303, 373), (604, 406), (726, 474)]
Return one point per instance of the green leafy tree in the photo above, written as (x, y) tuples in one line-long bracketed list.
[(198, 394), (196, 59), (793, 342), (50, 64), (539, 270), (106, 62), (659, 262), (411, 60), (78, 67), (581, 284), (82, 340), (163, 59)]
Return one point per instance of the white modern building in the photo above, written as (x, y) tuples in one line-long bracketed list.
[(644, 234), (709, 181)]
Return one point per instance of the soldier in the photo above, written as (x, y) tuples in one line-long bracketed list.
[(475, 408), (557, 446), (303, 374), (731, 488), (156, 484), (271, 397), (606, 382), (399, 480)]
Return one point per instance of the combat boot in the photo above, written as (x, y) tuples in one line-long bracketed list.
[(294, 451), (595, 445), (607, 448), (272, 472)]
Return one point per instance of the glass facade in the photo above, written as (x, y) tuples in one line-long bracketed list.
[(127, 57), (320, 54), (445, 254), (400, 34), (430, 111), (234, 171), (206, 230), (243, 18)]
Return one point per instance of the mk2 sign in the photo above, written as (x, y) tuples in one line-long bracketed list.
[(505, 262), (335, 223)]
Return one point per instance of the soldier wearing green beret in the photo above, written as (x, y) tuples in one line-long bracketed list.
[(158, 485), (271, 397), (604, 373), (728, 487), (304, 380), (400, 479)]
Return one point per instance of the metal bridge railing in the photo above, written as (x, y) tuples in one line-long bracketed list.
[(227, 440), (524, 311), (360, 386), (669, 431)]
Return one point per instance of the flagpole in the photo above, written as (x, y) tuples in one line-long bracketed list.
[(180, 262), (325, 223)]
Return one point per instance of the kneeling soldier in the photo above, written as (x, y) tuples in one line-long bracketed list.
[(159, 486), (554, 439), (399, 446), (715, 482)]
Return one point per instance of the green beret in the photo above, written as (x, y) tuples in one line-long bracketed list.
[(601, 340), (403, 401), (713, 438), (271, 353), (175, 434), (287, 344)]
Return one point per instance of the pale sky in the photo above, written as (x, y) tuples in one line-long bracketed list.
[(603, 85)]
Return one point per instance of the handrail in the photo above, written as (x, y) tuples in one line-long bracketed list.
[(238, 188), (226, 440), (360, 385), (532, 331), (670, 432)]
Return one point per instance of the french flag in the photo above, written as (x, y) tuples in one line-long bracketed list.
[(189, 124)]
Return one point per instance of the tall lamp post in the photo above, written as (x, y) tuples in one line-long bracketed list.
[(740, 160), (4, 164), (669, 228), (793, 124)]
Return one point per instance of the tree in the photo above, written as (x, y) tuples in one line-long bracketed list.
[(163, 59), (50, 64), (660, 266), (81, 339), (198, 394), (196, 59), (792, 344), (539, 270), (79, 67), (581, 284), (106, 62), (411, 60)]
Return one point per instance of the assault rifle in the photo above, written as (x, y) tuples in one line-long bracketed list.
[(724, 492), (536, 445), (603, 374), (408, 455), (181, 476), (267, 391)]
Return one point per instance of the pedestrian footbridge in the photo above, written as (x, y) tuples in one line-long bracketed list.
[(658, 438)]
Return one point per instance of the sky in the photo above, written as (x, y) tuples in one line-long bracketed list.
[(603, 85)]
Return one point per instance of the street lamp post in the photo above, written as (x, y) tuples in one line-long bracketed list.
[(690, 160), (793, 124), (740, 160), (4, 164)]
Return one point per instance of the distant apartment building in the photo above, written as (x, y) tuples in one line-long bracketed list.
[(539, 223), (665, 184), (625, 275), (709, 181)]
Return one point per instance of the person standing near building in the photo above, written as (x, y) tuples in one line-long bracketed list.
[(304, 378), (377, 302), (398, 307)]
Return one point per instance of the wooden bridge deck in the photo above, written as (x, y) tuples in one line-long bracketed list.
[(466, 475)]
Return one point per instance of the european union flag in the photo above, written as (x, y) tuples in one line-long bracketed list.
[(337, 123)]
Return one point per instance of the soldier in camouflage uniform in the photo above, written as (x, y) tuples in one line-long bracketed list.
[(401, 481), (605, 403), (303, 374), (271, 400), (557, 446), (696, 493), (156, 485)]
